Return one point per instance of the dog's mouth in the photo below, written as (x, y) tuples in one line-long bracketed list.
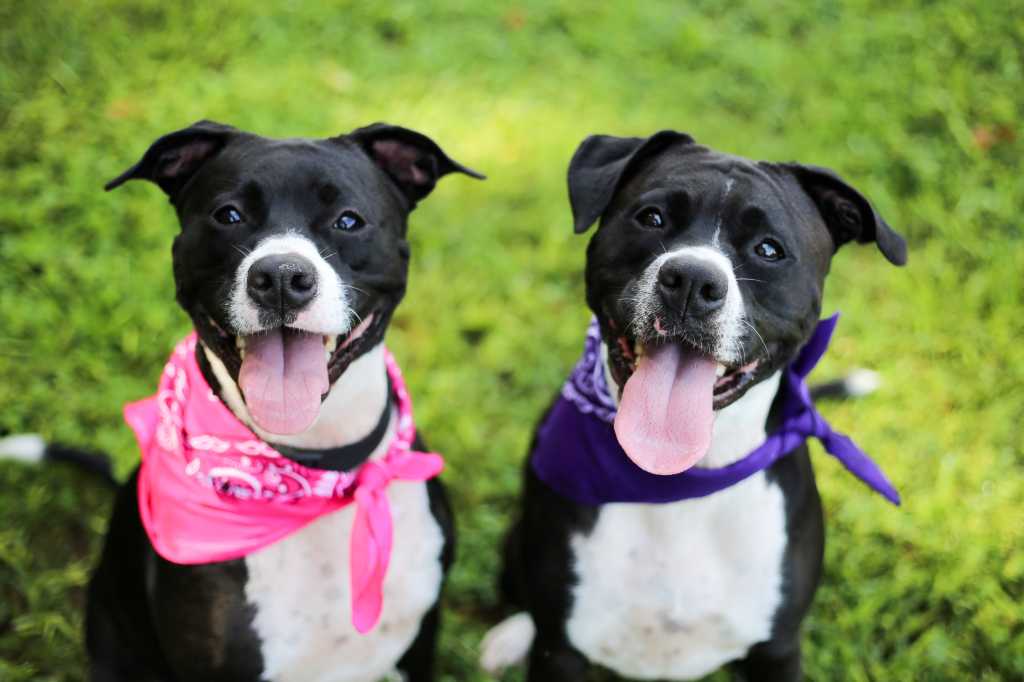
[(731, 379), (284, 373), (670, 389)]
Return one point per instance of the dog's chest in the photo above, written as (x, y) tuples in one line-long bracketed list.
[(299, 588), (674, 591)]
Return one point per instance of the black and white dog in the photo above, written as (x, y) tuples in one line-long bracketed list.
[(701, 259), (285, 240)]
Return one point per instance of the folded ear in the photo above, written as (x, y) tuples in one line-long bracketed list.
[(847, 213), (412, 160), (174, 158), (601, 163)]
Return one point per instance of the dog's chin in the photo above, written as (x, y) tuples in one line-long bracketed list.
[(733, 379)]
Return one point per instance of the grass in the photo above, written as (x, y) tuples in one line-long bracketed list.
[(916, 102)]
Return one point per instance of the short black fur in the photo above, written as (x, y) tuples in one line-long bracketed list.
[(809, 212), (147, 618)]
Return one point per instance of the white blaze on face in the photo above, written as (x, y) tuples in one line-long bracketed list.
[(284, 371), (666, 415), (329, 312)]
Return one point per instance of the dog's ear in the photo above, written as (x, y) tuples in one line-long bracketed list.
[(601, 163), (412, 160), (175, 157), (847, 213)]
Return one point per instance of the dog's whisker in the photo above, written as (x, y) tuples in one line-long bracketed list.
[(761, 338)]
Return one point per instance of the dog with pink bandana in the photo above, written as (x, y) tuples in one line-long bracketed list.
[(286, 521)]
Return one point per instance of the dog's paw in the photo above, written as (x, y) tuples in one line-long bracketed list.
[(507, 643)]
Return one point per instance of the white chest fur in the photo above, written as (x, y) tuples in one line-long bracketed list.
[(300, 590), (674, 591)]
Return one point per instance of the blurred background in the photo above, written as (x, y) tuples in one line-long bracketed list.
[(916, 102)]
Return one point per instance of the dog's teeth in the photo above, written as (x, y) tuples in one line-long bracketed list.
[(720, 370), (330, 343)]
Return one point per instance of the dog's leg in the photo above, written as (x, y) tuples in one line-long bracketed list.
[(111, 660), (120, 639), (767, 663), (510, 580), (417, 663), (556, 661), (105, 671)]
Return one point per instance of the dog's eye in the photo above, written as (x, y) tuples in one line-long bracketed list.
[(769, 249), (650, 217), (349, 221), (228, 215)]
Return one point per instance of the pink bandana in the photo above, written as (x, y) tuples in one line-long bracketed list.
[(210, 490)]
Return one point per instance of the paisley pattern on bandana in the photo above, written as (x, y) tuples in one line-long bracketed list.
[(210, 490), (587, 386), (244, 468)]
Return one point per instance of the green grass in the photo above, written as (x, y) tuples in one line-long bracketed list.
[(917, 103)]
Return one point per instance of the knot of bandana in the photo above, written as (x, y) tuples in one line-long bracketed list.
[(210, 490), (578, 455)]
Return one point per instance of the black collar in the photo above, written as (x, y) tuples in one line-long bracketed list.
[(346, 457)]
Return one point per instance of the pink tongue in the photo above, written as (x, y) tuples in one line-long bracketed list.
[(283, 376), (665, 414)]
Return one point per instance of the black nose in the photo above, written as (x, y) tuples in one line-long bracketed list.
[(692, 286), (282, 283)]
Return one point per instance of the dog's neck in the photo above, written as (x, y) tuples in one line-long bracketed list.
[(348, 414), (738, 428)]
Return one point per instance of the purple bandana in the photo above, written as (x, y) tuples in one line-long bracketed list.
[(578, 455)]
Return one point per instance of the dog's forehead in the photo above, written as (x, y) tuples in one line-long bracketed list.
[(274, 158), (287, 169), (728, 190), (714, 175)]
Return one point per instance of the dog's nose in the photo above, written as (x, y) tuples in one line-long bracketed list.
[(285, 282), (692, 286)]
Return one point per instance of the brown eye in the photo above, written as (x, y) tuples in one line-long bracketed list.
[(228, 215), (770, 250), (650, 218), (349, 221)]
